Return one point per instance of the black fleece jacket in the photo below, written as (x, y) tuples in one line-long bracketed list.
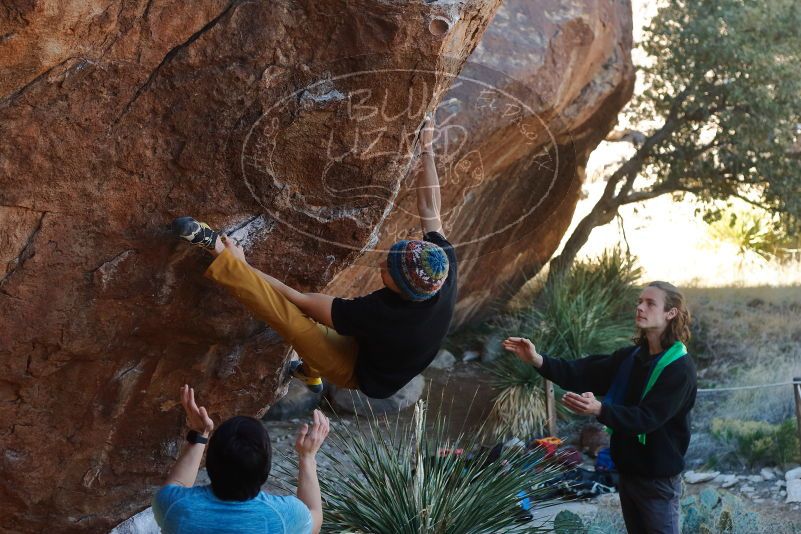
[(663, 415)]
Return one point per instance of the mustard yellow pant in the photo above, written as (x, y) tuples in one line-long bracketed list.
[(324, 352)]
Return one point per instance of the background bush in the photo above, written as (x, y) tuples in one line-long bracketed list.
[(588, 309), (755, 230), (758, 442)]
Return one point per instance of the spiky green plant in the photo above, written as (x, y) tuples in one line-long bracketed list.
[(585, 310), (589, 308), (519, 406), (754, 230), (394, 478)]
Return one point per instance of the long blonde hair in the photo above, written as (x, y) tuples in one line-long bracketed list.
[(678, 328)]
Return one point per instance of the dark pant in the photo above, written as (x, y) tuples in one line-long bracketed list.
[(650, 505)]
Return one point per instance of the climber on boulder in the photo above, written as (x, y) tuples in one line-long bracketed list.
[(375, 343)]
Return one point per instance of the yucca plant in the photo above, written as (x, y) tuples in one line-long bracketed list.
[(586, 310), (406, 479), (519, 406)]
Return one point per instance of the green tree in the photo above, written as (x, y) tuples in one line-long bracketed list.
[(723, 90)]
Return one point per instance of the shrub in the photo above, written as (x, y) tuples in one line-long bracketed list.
[(567, 522), (773, 361), (758, 442), (519, 407), (605, 520), (586, 310), (723, 513), (589, 308), (755, 230), (395, 478)]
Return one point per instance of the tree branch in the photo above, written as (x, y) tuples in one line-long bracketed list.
[(694, 153), (648, 194), (607, 206)]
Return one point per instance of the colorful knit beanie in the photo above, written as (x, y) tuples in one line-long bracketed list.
[(419, 268)]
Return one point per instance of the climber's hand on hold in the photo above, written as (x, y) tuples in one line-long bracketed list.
[(234, 248)]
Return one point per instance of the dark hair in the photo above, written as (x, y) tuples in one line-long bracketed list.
[(678, 328), (239, 459)]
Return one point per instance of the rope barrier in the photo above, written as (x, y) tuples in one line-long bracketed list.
[(737, 388)]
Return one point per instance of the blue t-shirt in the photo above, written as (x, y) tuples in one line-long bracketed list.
[(180, 510)]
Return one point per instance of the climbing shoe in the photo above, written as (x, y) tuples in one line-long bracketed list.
[(198, 233), (314, 383)]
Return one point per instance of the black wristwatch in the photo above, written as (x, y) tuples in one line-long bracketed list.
[(194, 437)]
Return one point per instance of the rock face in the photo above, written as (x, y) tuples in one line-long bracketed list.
[(298, 402), (794, 490), (691, 477), (444, 360), (116, 117), (538, 94), (359, 403), (142, 523)]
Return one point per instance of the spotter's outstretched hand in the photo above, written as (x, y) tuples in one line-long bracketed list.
[(197, 418)]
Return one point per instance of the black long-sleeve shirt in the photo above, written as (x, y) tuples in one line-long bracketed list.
[(663, 415)]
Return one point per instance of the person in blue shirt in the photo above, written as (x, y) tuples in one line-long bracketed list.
[(238, 462)]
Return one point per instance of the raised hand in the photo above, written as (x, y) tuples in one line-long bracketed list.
[(523, 349), (196, 418), (309, 440), (427, 134)]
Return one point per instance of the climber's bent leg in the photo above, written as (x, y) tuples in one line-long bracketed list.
[(324, 352)]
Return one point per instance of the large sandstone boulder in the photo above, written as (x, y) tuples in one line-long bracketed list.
[(538, 94), (116, 117)]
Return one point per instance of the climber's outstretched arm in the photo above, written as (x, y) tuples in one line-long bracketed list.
[(429, 201), (184, 472)]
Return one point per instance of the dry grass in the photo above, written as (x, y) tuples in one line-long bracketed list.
[(518, 411), (747, 336)]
